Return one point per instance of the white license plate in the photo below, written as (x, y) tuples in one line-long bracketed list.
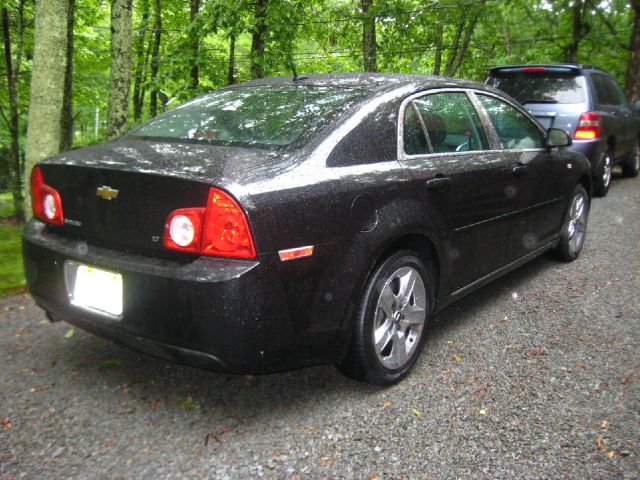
[(96, 289)]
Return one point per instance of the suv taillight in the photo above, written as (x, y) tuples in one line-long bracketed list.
[(45, 200), (220, 229), (588, 126)]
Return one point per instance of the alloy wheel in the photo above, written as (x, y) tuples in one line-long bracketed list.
[(577, 223), (606, 171), (400, 318)]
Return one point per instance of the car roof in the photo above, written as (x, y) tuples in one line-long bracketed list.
[(372, 82), (575, 67)]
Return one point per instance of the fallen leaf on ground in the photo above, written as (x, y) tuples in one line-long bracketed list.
[(386, 404), (456, 358), (604, 423), (416, 412), (114, 362), (611, 454), (601, 443), (482, 411), (70, 333), (188, 403)]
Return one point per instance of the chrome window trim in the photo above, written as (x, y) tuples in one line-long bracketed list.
[(486, 123)]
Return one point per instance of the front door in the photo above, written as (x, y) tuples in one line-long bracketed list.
[(536, 177)]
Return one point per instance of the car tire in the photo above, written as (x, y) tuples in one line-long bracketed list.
[(395, 308), (631, 167), (602, 175), (574, 227)]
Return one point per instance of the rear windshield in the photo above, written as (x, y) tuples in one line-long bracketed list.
[(540, 87), (260, 116)]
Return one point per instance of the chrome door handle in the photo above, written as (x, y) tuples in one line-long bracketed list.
[(519, 171), (439, 183)]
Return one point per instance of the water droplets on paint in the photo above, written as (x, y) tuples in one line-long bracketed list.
[(510, 191), (529, 241)]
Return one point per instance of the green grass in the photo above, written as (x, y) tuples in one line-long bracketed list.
[(6, 205), (11, 270)]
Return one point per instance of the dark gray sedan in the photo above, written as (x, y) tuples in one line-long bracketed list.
[(289, 222)]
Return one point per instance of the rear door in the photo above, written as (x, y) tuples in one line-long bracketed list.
[(611, 100), (461, 179), (536, 184)]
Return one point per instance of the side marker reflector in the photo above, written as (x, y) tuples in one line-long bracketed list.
[(293, 253)]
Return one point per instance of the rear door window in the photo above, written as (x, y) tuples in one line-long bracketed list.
[(515, 130), (415, 141), (544, 87), (607, 91), (451, 122)]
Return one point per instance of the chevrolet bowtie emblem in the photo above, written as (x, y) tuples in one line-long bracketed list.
[(106, 193)]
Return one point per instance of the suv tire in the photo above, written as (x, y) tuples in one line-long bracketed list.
[(631, 167), (602, 175)]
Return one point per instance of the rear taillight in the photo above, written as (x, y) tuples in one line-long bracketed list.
[(45, 200), (534, 69), (219, 229), (588, 126)]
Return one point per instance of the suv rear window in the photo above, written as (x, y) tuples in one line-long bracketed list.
[(547, 87)]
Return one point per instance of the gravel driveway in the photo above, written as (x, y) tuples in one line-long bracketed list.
[(534, 376)]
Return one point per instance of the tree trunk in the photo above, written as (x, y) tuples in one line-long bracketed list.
[(141, 62), (453, 50), (464, 32), (368, 37), (195, 46), (14, 127), (579, 29), (120, 75), (632, 82), (438, 55), (157, 37), (257, 42), (231, 76), (47, 83), (67, 106), (465, 41)]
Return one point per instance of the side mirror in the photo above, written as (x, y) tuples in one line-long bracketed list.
[(637, 106), (556, 137)]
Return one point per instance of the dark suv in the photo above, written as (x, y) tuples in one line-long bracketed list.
[(587, 103)]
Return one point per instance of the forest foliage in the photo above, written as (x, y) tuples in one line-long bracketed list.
[(177, 49)]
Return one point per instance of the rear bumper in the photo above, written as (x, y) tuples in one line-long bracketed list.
[(592, 149), (227, 315)]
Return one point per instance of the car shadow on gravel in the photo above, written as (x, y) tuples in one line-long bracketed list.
[(144, 383), (468, 308)]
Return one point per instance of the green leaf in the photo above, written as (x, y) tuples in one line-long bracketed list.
[(70, 333), (113, 363), (188, 403)]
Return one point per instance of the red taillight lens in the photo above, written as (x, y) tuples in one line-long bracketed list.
[(588, 126), (45, 200), (226, 232), (219, 229), (534, 69)]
